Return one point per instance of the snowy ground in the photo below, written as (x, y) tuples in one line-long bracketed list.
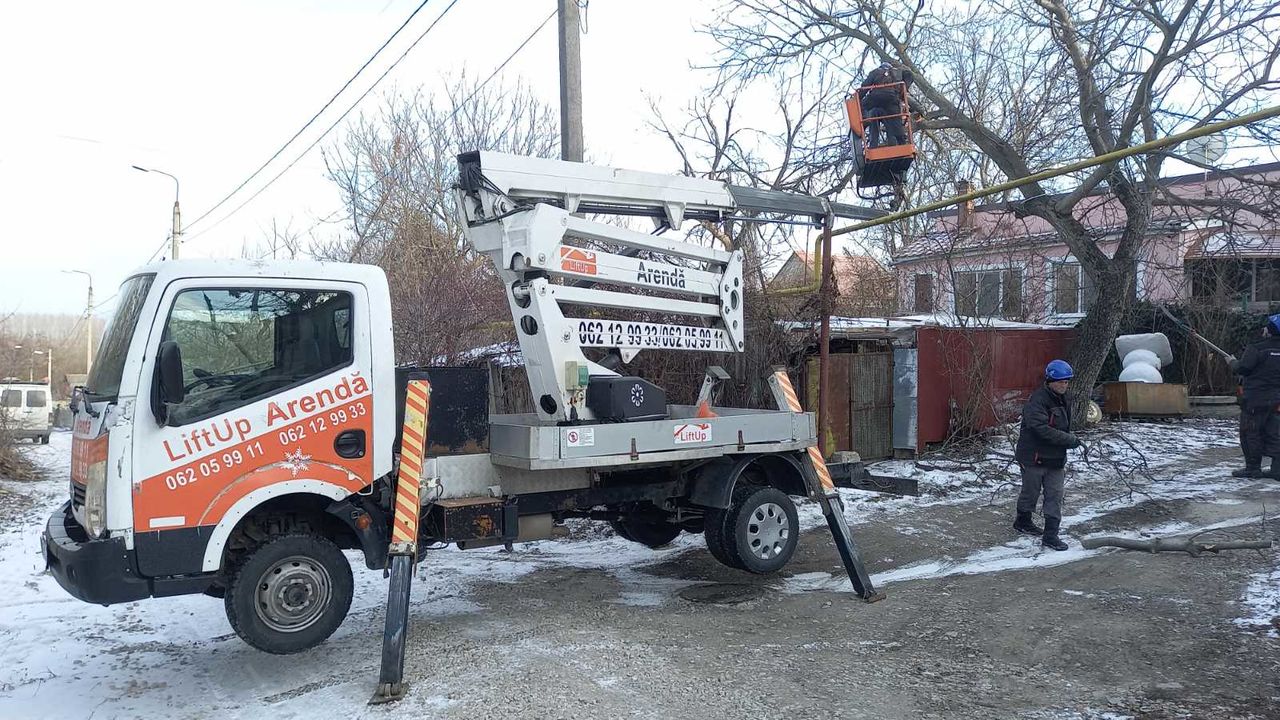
[(60, 658)]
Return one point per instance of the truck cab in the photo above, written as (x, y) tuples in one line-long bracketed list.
[(232, 403)]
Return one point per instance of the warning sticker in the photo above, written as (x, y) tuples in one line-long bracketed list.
[(692, 433), (577, 260), (580, 437)]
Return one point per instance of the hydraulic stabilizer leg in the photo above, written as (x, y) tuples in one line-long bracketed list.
[(403, 550), (821, 488)]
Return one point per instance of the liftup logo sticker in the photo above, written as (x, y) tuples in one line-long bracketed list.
[(577, 260), (692, 433)]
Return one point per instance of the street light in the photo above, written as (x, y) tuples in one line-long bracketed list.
[(176, 232), (31, 366), (88, 321), (48, 356)]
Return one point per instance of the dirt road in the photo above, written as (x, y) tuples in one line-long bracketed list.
[(978, 623)]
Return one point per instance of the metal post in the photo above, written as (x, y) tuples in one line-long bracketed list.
[(177, 230), (88, 329), (823, 489), (403, 550), (824, 338), (88, 321), (570, 82)]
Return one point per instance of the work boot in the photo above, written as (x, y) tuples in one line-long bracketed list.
[(1250, 471), (1025, 525), (1050, 538), (1273, 472)]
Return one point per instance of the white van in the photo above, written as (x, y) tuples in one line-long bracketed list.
[(26, 410)]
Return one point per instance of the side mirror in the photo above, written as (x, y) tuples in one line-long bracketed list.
[(167, 388)]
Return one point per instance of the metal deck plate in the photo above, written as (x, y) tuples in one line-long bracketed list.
[(519, 441)]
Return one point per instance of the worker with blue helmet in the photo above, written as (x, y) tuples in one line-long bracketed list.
[(1043, 441), (1259, 370)]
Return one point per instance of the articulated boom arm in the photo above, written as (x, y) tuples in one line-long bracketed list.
[(518, 211)]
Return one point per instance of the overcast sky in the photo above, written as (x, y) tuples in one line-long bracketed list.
[(207, 91)]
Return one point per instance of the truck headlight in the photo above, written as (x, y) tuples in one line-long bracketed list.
[(95, 499)]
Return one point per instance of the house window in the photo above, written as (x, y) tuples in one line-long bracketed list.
[(1232, 280), (1073, 290), (989, 293), (923, 294)]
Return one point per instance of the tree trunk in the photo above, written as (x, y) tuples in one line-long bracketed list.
[(1096, 333)]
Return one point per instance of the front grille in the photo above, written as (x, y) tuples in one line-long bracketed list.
[(77, 495)]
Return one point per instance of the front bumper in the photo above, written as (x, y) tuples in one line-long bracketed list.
[(92, 570)]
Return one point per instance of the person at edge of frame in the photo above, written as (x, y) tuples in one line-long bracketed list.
[(1259, 369)]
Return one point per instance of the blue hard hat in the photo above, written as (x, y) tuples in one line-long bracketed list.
[(1058, 370), (1274, 323)]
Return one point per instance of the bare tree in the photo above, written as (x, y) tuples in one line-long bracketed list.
[(395, 170), (1017, 85)]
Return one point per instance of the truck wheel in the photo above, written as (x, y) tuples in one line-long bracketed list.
[(760, 529), (715, 536), (44, 439), (654, 533), (289, 594)]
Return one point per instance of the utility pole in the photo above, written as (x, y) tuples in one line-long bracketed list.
[(570, 82), (175, 232), (88, 321)]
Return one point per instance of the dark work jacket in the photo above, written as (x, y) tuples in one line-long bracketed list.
[(1260, 368), (885, 97), (1046, 435), (886, 100)]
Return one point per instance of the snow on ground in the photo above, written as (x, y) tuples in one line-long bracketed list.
[(1262, 602), (62, 658)]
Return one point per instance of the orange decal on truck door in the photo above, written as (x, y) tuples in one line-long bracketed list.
[(210, 474)]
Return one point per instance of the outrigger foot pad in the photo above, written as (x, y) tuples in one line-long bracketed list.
[(388, 693)]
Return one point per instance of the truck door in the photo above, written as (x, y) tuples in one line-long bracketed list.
[(277, 401), (36, 408)]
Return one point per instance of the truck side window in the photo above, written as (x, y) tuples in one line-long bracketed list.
[(35, 398), (11, 398), (239, 346)]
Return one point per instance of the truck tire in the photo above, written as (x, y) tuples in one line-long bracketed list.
[(715, 536), (289, 594), (44, 439), (653, 533), (760, 530)]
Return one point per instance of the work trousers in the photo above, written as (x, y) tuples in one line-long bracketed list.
[(1259, 434), (1037, 480), (881, 120)]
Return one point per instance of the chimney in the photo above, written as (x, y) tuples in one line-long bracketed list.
[(964, 215)]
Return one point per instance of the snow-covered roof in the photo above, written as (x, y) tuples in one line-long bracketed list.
[(505, 354), (903, 327)]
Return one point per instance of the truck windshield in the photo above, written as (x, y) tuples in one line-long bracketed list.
[(108, 366)]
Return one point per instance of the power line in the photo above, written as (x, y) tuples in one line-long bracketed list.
[(494, 74), (331, 126), (452, 115), (308, 124)]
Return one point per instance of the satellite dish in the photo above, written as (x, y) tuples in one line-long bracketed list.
[(1208, 149)]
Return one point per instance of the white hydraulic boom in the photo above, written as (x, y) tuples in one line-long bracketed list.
[(560, 268)]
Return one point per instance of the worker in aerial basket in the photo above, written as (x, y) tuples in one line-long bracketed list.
[(1043, 442), (882, 106), (1259, 368)]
